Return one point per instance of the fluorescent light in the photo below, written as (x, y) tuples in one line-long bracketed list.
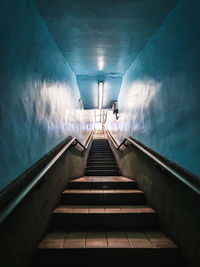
[(100, 63), (100, 94)]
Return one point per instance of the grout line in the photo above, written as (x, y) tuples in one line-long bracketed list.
[(86, 238), (64, 240), (128, 239), (107, 239)]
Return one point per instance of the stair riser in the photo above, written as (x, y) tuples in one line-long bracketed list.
[(108, 155), (100, 150), (101, 185), (118, 221), (103, 168), (101, 156), (93, 164), (102, 173), (101, 147), (139, 257), (101, 161), (103, 199)]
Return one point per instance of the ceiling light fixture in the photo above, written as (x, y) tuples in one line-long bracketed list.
[(100, 63), (100, 85)]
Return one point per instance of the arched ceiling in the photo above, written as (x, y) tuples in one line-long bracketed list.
[(100, 39)]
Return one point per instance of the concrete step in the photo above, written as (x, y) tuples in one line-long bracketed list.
[(104, 217), (102, 172), (101, 160), (98, 154), (101, 156), (105, 163), (108, 167), (140, 249), (109, 182), (101, 149), (103, 197)]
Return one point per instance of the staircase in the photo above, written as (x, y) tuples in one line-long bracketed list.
[(101, 160), (104, 221)]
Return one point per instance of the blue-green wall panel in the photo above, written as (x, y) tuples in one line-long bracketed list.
[(38, 91), (160, 94)]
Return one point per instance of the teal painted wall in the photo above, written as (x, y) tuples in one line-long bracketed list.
[(100, 39), (38, 91), (159, 101)]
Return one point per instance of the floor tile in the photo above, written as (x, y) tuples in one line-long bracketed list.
[(96, 244), (80, 209), (118, 244), (56, 236), (51, 243), (96, 210), (116, 236), (64, 209), (140, 243), (113, 209), (73, 244), (76, 236), (136, 235)]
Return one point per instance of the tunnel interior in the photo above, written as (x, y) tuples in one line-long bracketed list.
[(64, 66), (54, 54)]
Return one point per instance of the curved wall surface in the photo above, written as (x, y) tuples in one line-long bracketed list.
[(159, 101), (38, 92)]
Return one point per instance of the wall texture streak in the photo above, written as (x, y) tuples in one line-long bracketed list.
[(159, 98), (38, 92)]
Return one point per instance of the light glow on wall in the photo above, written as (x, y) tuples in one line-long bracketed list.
[(141, 93), (100, 94), (100, 63)]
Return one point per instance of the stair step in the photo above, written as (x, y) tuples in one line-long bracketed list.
[(104, 164), (103, 157), (99, 159), (101, 150), (108, 167), (144, 249), (102, 217), (102, 172), (101, 162), (109, 182), (103, 197)]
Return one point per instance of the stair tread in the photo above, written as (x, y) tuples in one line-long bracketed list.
[(103, 172), (102, 191), (109, 239), (103, 166), (102, 209), (101, 179)]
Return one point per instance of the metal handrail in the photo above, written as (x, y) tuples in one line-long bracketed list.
[(88, 140), (169, 169), (13, 203), (113, 140)]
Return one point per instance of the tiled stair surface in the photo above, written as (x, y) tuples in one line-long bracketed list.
[(105, 235), (103, 220)]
